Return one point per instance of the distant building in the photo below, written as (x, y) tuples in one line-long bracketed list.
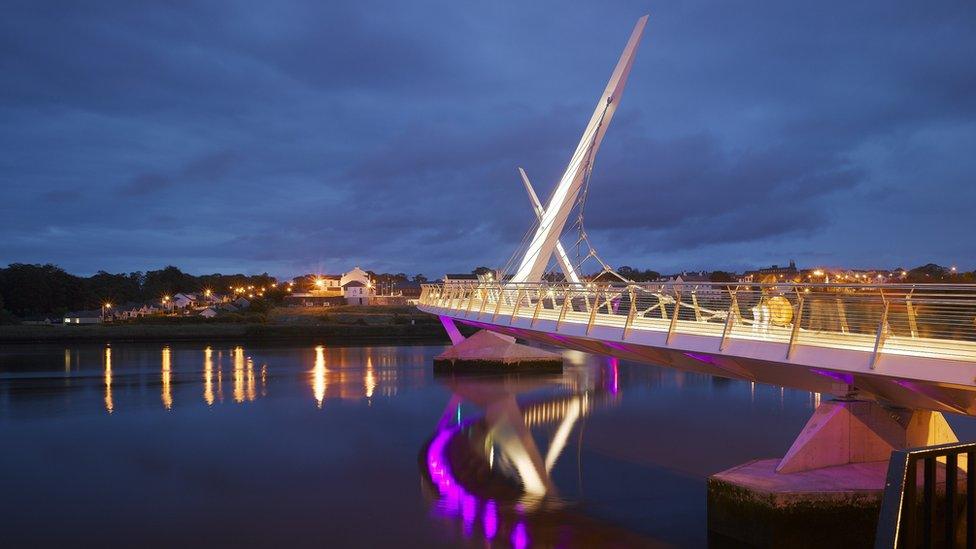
[(355, 275), (356, 293), (773, 272), (128, 311), (209, 312), (461, 277), (84, 317), (699, 282), (327, 283), (689, 278), (353, 287), (242, 303), (182, 301), (408, 289)]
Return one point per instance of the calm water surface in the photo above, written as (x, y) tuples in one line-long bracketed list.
[(159, 445)]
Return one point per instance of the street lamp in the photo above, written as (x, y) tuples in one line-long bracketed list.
[(105, 306)]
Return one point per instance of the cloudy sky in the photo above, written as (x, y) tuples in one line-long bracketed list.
[(298, 136)]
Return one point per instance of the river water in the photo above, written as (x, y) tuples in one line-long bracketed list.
[(322, 445)]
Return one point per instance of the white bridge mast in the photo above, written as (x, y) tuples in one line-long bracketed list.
[(553, 219)]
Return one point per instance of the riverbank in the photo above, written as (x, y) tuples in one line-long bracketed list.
[(366, 324)]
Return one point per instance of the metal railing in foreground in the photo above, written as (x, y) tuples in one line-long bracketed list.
[(931, 320), (907, 521)]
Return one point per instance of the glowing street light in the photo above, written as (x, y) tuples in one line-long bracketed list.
[(319, 282)]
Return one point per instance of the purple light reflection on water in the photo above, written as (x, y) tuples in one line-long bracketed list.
[(614, 374), (490, 520), (451, 492), (520, 537), (455, 500), (467, 513)]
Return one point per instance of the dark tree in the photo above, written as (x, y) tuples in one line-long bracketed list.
[(38, 289), (928, 273), (721, 276)]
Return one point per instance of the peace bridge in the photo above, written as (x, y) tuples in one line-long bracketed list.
[(896, 356)]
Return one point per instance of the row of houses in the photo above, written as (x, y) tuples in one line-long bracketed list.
[(203, 304)]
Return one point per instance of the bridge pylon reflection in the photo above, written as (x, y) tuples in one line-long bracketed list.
[(487, 470)]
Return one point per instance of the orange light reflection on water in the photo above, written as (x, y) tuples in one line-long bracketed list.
[(109, 404), (208, 392), (238, 374), (167, 392), (318, 375)]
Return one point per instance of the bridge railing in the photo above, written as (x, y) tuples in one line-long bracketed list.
[(943, 512), (925, 320)]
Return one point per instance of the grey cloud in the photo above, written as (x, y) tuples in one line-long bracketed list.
[(281, 135), (144, 184)]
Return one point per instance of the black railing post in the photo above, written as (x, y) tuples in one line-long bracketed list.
[(950, 495), (894, 502), (900, 520), (970, 500), (910, 502), (928, 495)]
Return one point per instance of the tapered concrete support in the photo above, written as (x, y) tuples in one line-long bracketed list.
[(488, 351), (856, 431), (833, 474)]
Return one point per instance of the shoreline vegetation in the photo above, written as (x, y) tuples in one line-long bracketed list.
[(353, 323)]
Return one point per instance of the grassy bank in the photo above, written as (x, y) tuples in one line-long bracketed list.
[(338, 323)]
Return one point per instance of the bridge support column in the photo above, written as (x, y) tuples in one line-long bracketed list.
[(841, 432), (487, 351), (827, 489)]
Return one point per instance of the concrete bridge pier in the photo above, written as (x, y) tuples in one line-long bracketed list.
[(487, 351), (827, 489)]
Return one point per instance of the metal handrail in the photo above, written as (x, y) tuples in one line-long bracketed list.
[(898, 523), (937, 320)]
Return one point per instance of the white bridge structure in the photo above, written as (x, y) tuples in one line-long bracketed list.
[(912, 346)]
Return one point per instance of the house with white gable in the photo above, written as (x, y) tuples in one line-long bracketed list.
[(356, 293), (182, 301), (357, 275)]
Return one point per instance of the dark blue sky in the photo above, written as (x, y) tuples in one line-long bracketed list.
[(297, 136)]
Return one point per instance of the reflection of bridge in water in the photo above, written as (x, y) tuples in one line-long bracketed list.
[(490, 473)]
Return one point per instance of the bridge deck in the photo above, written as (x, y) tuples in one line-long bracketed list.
[(925, 334)]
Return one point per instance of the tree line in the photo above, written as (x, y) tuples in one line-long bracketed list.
[(27, 290)]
